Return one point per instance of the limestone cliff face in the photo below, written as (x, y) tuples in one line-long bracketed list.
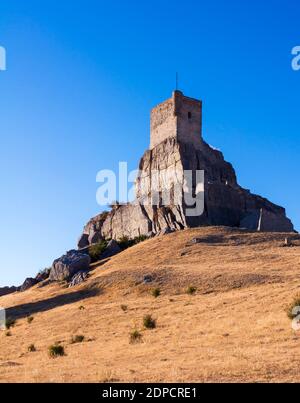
[(162, 178)]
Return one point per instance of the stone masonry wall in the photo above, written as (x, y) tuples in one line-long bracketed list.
[(189, 120), (163, 122), (179, 117)]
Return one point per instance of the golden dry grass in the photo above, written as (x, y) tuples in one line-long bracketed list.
[(234, 329)]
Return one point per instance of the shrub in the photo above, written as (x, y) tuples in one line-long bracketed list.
[(125, 242), (191, 290), (10, 323), (135, 337), (149, 322), (124, 308), (139, 239), (81, 308), (77, 339), (291, 311), (30, 319), (56, 351), (96, 251), (31, 348), (8, 334), (156, 293)]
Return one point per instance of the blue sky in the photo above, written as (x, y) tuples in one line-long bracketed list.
[(81, 79)]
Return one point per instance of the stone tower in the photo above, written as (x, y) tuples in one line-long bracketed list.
[(179, 117)]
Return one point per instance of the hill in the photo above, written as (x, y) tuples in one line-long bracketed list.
[(234, 329)]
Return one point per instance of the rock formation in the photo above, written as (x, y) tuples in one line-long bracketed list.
[(28, 283), (66, 267), (8, 290), (177, 147), (78, 279)]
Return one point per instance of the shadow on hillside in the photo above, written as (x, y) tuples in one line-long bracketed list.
[(25, 310), (209, 239)]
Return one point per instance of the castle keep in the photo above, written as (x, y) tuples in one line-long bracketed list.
[(176, 146), (179, 117)]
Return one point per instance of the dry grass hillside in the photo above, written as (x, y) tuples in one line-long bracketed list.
[(234, 328)]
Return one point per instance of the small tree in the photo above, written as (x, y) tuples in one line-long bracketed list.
[(135, 337), (156, 293), (149, 322), (96, 250), (56, 351), (191, 290)]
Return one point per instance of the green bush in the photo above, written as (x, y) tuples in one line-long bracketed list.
[(139, 239), (156, 293), (124, 308), (191, 290), (125, 242), (56, 351), (149, 322), (31, 348), (96, 251), (30, 319), (135, 337)]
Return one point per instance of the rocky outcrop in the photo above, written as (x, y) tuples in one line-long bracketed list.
[(8, 290), (162, 173), (83, 241), (78, 279), (64, 268), (43, 275), (112, 249), (28, 283)]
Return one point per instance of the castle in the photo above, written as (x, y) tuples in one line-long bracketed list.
[(177, 146)]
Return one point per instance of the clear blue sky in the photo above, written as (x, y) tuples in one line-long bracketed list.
[(82, 77)]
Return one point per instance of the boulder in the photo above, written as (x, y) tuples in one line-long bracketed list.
[(43, 275), (78, 279), (64, 268), (28, 283), (148, 278), (112, 249)]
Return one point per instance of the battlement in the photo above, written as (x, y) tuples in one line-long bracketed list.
[(179, 117)]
